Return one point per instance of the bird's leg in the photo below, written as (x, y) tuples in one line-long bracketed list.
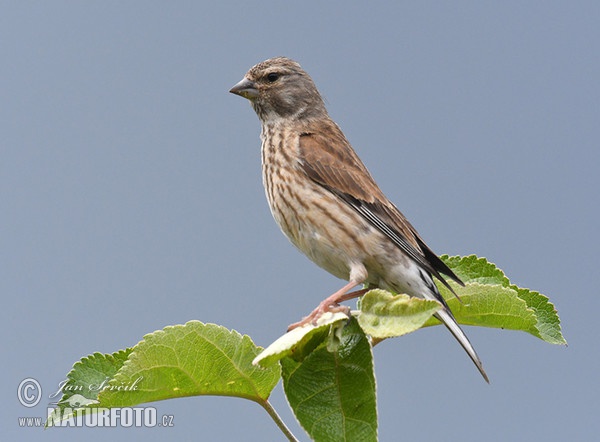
[(331, 304), (353, 295)]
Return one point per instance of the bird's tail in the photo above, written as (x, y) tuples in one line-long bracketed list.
[(448, 319)]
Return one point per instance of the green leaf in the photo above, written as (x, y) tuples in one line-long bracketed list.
[(332, 393), (490, 300), (190, 360), (474, 269), (384, 315), (182, 360), (85, 381), (547, 326), (302, 340), (489, 306)]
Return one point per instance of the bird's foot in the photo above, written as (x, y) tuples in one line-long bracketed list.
[(324, 307), (331, 305)]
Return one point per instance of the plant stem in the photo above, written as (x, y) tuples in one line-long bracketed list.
[(282, 426)]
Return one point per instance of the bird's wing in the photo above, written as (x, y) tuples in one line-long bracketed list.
[(329, 160)]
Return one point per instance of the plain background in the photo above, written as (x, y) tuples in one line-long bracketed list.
[(131, 196)]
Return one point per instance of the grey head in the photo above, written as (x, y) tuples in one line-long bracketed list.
[(279, 88)]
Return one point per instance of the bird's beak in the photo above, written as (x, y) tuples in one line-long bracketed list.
[(245, 88)]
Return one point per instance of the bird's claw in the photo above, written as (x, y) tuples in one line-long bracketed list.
[(316, 314)]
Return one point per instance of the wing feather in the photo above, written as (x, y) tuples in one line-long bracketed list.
[(329, 160)]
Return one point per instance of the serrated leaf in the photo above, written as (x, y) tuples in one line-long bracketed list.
[(490, 300), (190, 360), (475, 269), (384, 315), (85, 381), (300, 341), (548, 323), (490, 306), (183, 360), (332, 394)]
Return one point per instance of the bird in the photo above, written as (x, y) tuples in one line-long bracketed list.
[(327, 203)]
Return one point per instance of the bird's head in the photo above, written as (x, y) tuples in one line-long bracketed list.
[(279, 88)]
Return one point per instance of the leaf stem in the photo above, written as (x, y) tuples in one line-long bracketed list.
[(282, 426)]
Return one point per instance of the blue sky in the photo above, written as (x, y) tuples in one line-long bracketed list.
[(132, 199)]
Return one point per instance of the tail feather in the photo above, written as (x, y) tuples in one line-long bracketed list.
[(448, 319)]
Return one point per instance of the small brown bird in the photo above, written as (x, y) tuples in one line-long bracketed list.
[(326, 202)]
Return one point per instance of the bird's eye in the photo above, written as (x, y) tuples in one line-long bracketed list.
[(272, 77)]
